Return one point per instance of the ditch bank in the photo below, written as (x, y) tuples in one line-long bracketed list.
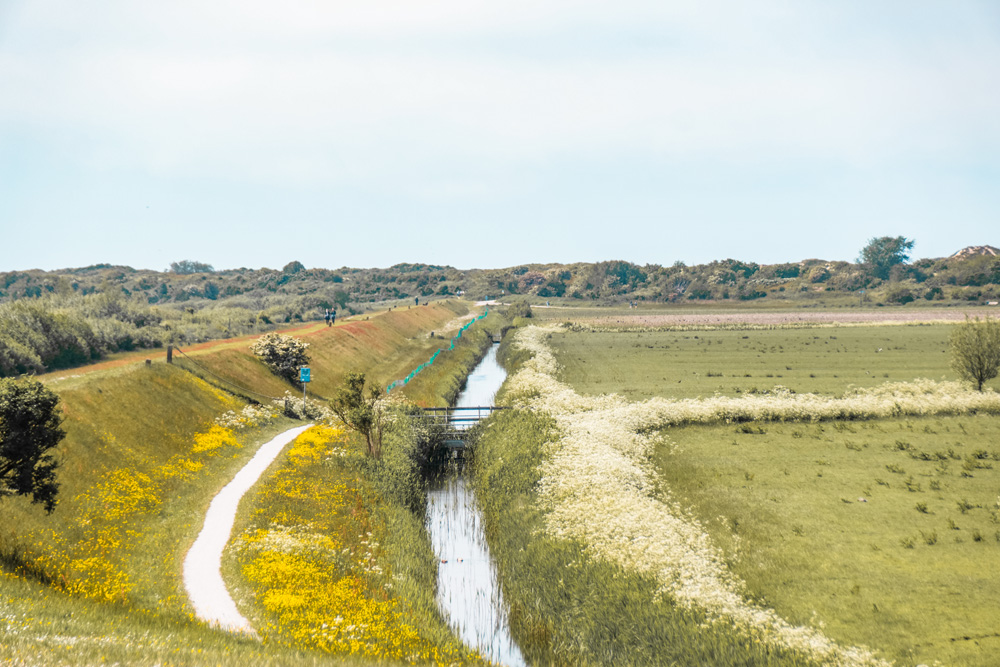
[(468, 587)]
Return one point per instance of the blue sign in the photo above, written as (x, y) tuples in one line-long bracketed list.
[(303, 374)]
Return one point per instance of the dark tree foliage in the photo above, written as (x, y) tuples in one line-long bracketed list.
[(29, 430), (885, 252), (186, 266), (34, 339), (293, 267)]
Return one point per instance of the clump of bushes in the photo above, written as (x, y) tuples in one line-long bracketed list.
[(284, 355), (518, 309)]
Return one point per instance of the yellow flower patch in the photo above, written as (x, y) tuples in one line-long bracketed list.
[(320, 577), (216, 438)]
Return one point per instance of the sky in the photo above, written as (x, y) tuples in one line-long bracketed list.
[(485, 135)]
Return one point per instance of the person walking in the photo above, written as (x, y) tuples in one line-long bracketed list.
[(327, 317)]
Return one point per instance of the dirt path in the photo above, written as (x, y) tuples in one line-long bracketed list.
[(202, 574)]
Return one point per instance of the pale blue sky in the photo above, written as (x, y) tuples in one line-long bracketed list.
[(251, 133)]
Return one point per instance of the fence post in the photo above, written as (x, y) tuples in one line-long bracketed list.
[(170, 354)]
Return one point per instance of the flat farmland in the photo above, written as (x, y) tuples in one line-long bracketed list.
[(884, 533), (731, 361)]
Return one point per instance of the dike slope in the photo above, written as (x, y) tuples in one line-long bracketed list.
[(141, 460)]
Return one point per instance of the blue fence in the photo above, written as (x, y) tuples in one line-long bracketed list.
[(454, 339)]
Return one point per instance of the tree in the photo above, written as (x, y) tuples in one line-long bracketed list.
[(186, 266), (885, 252), (362, 412), (284, 355), (340, 298), (29, 430), (975, 350)]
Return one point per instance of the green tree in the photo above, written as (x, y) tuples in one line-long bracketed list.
[(885, 252), (29, 430), (361, 411), (284, 355), (975, 350), (186, 266), (340, 298)]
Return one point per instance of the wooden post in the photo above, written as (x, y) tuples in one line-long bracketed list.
[(170, 354)]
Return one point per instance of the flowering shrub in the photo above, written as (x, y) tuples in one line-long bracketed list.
[(307, 409), (251, 416), (282, 354)]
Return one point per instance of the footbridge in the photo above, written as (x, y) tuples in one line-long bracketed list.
[(456, 422)]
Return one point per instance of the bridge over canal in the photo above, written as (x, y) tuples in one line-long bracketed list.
[(457, 421)]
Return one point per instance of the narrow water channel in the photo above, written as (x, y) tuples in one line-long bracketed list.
[(468, 590)]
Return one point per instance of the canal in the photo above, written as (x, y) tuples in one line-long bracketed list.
[(469, 592)]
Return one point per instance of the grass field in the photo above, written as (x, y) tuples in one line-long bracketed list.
[(883, 533), (688, 364), (887, 533)]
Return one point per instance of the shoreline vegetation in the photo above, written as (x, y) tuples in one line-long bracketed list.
[(586, 490)]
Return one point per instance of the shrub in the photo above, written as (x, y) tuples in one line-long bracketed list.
[(975, 350), (284, 355)]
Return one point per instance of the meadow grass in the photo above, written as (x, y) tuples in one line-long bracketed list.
[(688, 364), (877, 531), (386, 347), (143, 457), (331, 557), (565, 605), (884, 533)]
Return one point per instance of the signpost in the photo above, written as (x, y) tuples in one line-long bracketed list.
[(304, 378)]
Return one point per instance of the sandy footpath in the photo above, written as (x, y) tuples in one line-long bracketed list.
[(202, 575)]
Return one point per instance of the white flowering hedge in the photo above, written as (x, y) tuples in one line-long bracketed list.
[(597, 486), (284, 355)]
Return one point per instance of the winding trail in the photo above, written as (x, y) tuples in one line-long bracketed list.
[(202, 574)]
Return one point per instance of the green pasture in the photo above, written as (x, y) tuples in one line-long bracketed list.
[(689, 364), (884, 533)]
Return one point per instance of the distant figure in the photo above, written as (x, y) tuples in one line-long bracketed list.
[(327, 317), (416, 301), (333, 316)]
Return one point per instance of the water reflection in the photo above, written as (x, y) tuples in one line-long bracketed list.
[(468, 590)]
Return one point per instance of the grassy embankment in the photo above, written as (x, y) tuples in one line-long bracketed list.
[(99, 580), (883, 532), (353, 528)]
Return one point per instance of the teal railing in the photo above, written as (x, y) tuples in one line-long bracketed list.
[(454, 339)]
